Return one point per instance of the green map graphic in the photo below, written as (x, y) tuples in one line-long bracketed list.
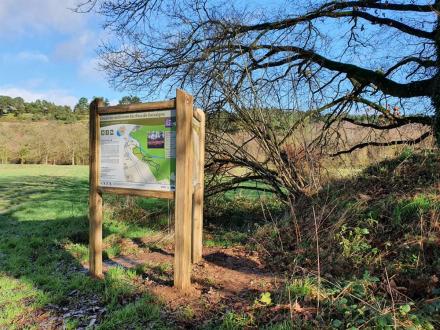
[(160, 166), (138, 150)]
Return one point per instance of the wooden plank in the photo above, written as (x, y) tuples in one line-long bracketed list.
[(95, 198), (137, 107), (137, 192), (198, 114), (199, 190), (183, 201)]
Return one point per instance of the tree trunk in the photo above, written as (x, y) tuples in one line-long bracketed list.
[(436, 95)]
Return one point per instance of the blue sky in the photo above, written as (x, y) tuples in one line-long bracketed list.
[(49, 52)]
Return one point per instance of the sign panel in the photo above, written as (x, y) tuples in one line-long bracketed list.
[(138, 150)]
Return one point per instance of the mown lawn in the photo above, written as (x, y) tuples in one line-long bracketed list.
[(44, 283), (43, 246)]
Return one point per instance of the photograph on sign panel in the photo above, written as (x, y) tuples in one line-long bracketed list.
[(156, 140)]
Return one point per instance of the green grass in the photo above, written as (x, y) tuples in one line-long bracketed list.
[(12, 295), (43, 243), (377, 229), (131, 316), (380, 224)]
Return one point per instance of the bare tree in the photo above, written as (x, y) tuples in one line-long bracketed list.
[(262, 149), (5, 146), (331, 61), (350, 55), (41, 142)]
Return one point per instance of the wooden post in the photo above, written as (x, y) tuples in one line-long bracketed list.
[(197, 220), (95, 198), (183, 201)]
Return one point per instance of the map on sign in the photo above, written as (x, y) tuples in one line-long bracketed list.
[(138, 150)]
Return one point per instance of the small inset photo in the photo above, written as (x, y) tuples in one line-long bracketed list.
[(170, 122), (156, 140)]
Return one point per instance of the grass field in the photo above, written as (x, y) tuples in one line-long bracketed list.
[(376, 267), (43, 244), (44, 250)]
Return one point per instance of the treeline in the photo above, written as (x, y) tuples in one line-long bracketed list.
[(12, 109), (44, 142), (41, 132), (279, 119), (17, 109)]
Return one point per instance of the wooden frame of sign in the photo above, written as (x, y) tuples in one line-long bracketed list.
[(189, 176)]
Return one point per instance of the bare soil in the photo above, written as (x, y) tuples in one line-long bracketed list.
[(226, 279)]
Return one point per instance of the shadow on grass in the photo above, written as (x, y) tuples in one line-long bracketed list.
[(40, 216), (43, 221), (407, 174)]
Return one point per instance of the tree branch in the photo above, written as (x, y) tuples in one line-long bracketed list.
[(385, 21), (330, 10), (364, 76), (398, 122), (383, 144)]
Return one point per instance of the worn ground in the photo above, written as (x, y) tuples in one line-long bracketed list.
[(44, 280), (227, 278), (367, 256)]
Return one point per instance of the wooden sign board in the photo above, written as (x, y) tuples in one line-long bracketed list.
[(138, 150), (151, 149)]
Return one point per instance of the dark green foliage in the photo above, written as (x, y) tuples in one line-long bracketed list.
[(17, 108), (103, 99), (82, 107), (129, 99)]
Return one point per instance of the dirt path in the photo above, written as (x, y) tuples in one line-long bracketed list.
[(226, 279)]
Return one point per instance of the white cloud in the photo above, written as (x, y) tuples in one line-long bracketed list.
[(57, 96), (114, 102), (75, 48), (36, 16), (91, 71), (33, 56)]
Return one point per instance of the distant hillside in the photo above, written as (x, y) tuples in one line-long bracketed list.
[(17, 109)]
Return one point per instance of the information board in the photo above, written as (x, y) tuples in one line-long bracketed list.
[(138, 150), (150, 150)]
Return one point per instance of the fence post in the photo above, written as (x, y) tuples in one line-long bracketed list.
[(183, 197), (95, 198), (199, 191)]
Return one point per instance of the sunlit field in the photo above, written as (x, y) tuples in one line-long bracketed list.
[(44, 281)]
